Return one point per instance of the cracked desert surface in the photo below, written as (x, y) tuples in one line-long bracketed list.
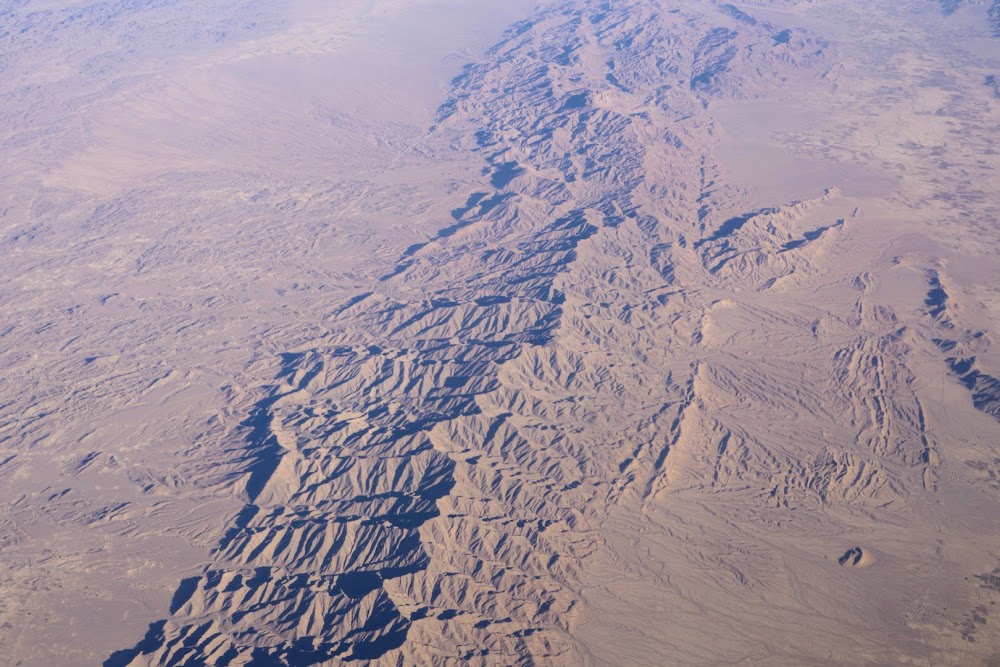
[(453, 332)]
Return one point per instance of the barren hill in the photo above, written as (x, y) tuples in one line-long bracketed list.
[(661, 334)]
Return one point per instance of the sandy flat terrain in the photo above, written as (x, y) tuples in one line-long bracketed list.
[(419, 332)]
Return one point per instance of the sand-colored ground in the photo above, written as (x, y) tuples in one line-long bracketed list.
[(416, 332)]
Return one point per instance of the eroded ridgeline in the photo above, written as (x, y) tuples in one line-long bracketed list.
[(427, 480)]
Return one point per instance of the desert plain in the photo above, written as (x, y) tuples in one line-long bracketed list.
[(428, 332)]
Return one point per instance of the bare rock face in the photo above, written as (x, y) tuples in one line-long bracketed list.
[(703, 305)]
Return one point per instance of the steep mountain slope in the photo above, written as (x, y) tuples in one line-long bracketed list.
[(610, 413)]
